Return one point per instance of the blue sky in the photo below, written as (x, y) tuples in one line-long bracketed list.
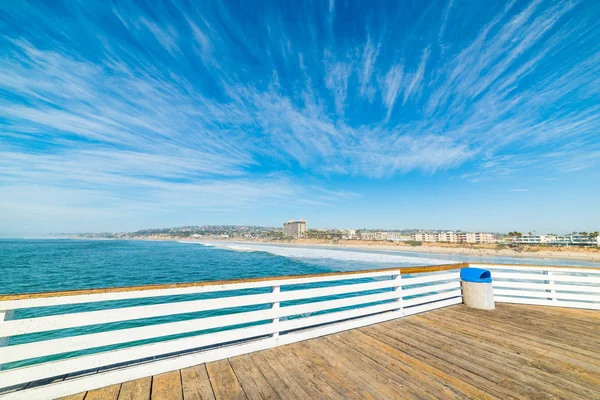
[(450, 114)]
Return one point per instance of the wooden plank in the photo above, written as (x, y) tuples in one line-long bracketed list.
[(463, 357), (224, 381), (196, 384), (106, 393), (487, 321), (535, 357), (252, 380), (564, 331), (379, 381), (543, 317), (78, 396), (585, 315), (543, 358), (316, 386), (516, 368), (280, 380), (416, 382), (338, 378), (444, 362), (421, 376), (361, 378), (138, 389), (442, 375), (405, 270), (167, 386), (516, 343)]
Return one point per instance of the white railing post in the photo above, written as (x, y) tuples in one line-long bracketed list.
[(398, 291), (550, 282), (275, 290), (5, 316)]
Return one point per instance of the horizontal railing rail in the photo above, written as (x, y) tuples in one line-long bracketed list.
[(192, 323), (573, 287), (85, 339)]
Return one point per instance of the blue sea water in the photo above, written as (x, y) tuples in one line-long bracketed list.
[(37, 265), (34, 265)]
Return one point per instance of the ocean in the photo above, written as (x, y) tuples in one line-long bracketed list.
[(34, 265)]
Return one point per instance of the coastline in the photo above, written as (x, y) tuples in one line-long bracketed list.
[(485, 250), (591, 255)]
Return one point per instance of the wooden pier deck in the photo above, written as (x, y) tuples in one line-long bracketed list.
[(515, 351)]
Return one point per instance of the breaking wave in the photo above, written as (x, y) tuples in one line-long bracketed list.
[(343, 255)]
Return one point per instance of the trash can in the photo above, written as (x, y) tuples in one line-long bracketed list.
[(477, 288)]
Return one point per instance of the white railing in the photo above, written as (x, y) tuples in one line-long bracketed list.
[(191, 324), (545, 285)]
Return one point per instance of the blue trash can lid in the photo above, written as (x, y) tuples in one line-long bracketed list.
[(475, 275)]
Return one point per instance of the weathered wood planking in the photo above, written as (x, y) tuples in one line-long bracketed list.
[(196, 383), (136, 390)]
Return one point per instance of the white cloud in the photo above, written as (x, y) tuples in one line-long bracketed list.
[(336, 80), (391, 85), (417, 77), (369, 57)]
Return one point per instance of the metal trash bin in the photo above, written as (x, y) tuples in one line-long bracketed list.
[(477, 288)]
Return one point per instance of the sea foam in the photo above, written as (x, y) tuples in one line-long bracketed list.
[(344, 255)]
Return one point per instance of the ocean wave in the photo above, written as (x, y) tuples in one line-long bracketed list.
[(202, 243), (344, 255)]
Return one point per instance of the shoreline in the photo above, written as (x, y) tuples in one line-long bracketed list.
[(591, 256), (575, 254)]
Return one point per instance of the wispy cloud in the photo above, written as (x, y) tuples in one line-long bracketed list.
[(337, 81), (417, 77), (391, 87), (369, 57), (444, 23)]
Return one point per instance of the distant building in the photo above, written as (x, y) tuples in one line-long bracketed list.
[(295, 229), (423, 237), (373, 235), (396, 237), (476, 237), (551, 240), (349, 234), (448, 237), (534, 239), (455, 237), (581, 240)]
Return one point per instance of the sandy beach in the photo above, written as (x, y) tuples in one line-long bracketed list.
[(491, 250)]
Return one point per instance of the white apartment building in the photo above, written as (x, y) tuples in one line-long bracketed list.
[(475, 237), (396, 237), (449, 237), (570, 240), (455, 237), (580, 240), (296, 229), (535, 239), (423, 237), (373, 235), (349, 234)]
